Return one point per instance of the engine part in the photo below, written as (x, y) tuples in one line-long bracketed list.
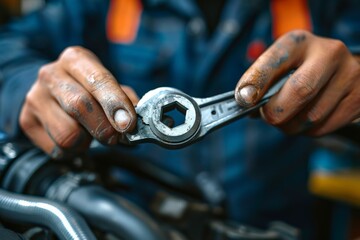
[(220, 230), (10, 235), (19, 172), (110, 215), (63, 221), (34, 173), (113, 214)]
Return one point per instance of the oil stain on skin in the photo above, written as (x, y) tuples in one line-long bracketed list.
[(89, 107), (281, 56), (75, 113), (259, 78), (279, 109), (279, 61), (72, 110), (298, 38)]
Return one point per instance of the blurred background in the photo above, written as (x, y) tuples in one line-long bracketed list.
[(11, 8)]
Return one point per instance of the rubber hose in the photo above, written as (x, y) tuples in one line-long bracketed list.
[(9, 235), (64, 222), (110, 212)]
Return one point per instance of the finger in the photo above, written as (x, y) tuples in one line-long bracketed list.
[(34, 131), (345, 113), (296, 110), (284, 55), (64, 136), (298, 91), (82, 107), (65, 132), (92, 75), (313, 115), (134, 98)]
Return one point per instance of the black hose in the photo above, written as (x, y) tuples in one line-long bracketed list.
[(112, 213), (10, 235), (64, 222)]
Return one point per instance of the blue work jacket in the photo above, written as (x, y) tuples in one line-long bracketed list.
[(259, 173)]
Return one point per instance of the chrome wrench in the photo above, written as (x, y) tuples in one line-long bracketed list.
[(201, 115)]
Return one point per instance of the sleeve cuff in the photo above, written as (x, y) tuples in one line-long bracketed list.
[(13, 89)]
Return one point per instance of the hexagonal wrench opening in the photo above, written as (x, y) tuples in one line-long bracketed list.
[(185, 126), (173, 114)]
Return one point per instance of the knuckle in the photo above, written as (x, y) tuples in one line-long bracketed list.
[(24, 121), (31, 98), (77, 104), (301, 88), (273, 117), (98, 80), (68, 136), (72, 52), (315, 117), (297, 36), (45, 72), (354, 69), (337, 47), (78, 101), (298, 32)]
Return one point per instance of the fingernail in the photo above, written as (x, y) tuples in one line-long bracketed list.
[(122, 119), (248, 94)]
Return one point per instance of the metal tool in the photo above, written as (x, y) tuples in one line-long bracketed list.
[(200, 115)]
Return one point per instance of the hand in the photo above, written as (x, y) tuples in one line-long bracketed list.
[(73, 100), (322, 95)]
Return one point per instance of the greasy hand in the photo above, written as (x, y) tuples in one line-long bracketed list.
[(322, 95), (73, 100)]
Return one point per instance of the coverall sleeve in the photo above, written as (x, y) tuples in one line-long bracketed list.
[(34, 40), (347, 22), (347, 29)]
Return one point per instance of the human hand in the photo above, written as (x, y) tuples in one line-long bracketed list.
[(322, 95), (74, 100)]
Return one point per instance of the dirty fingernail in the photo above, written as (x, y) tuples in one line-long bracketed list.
[(248, 94), (122, 119)]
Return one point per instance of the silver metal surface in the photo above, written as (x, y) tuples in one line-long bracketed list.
[(201, 115), (184, 130)]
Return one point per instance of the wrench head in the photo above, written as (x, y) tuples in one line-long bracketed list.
[(166, 116), (186, 110)]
